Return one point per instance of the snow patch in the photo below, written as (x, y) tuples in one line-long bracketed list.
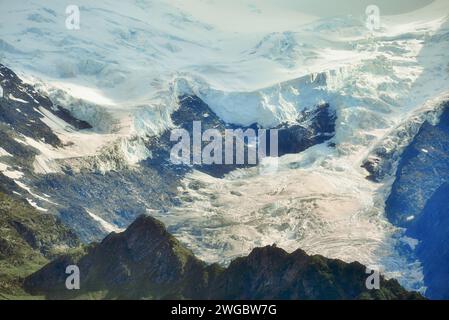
[(34, 204), (108, 227), (11, 97), (12, 174), (4, 153), (28, 189)]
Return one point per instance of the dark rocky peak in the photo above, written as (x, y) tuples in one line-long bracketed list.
[(272, 273), (145, 261), (143, 238)]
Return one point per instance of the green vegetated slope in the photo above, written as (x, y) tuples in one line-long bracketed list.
[(28, 240)]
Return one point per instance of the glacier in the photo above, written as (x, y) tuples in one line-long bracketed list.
[(124, 70)]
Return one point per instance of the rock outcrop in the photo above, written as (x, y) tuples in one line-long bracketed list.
[(146, 262)]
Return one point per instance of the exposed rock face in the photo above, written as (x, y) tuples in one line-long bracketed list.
[(383, 159), (20, 109), (431, 229), (423, 168), (314, 126), (145, 261), (418, 201), (118, 197)]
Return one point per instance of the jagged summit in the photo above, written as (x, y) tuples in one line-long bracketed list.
[(145, 261)]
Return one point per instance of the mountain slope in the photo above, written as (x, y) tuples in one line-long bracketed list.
[(28, 239), (431, 230), (418, 201), (145, 261)]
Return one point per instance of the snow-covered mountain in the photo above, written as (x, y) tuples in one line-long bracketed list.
[(122, 75)]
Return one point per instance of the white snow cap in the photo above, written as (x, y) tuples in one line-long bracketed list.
[(126, 55)]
